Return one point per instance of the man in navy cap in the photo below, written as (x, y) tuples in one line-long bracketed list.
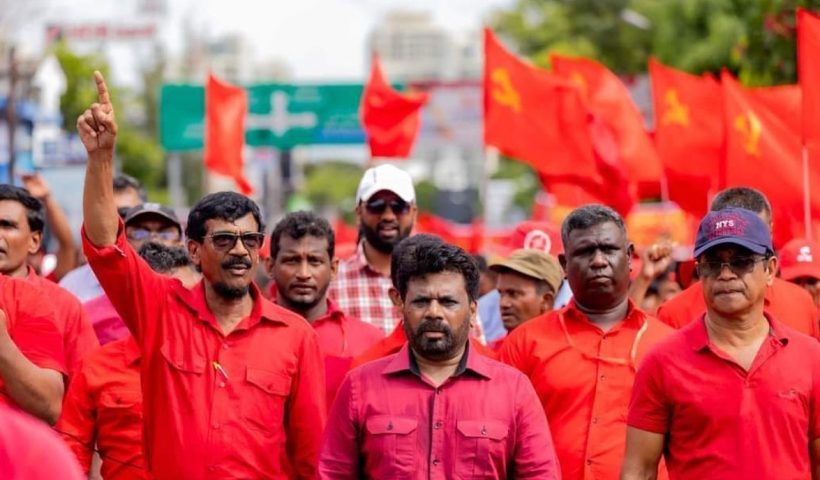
[(735, 394)]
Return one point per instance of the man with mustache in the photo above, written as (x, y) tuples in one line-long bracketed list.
[(734, 394), (582, 359), (233, 385), (386, 213), (302, 264), (436, 409), (785, 301)]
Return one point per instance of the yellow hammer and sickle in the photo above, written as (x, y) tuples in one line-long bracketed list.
[(503, 91), (676, 112), (749, 126)]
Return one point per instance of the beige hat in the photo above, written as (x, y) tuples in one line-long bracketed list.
[(537, 264)]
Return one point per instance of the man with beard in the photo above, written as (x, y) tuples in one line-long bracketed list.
[(582, 359), (301, 265), (436, 409), (233, 385), (386, 212), (734, 394)]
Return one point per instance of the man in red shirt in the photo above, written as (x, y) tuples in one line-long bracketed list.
[(582, 359), (30, 450), (233, 384), (386, 212), (32, 362), (800, 265), (21, 229), (103, 405), (436, 409), (302, 265), (527, 282), (736, 393), (784, 301)]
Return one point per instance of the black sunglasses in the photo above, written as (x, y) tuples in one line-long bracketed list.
[(738, 266), (227, 240), (379, 205)]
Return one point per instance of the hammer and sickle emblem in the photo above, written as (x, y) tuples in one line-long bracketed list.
[(748, 125), (676, 112), (503, 91)]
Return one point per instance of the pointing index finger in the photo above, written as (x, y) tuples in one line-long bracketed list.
[(102, 90)]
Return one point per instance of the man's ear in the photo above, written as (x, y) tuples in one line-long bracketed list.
[(547, 301), (194, 253), (771, 271), (269, 263), (562, 259), (35, 240), (334, 268), (395, 297)]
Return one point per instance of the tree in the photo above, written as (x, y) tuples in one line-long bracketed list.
[(754, 39)]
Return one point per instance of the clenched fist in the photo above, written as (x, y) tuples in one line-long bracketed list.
[(97, 126)]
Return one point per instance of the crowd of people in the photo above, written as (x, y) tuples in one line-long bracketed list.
[(164, 356)]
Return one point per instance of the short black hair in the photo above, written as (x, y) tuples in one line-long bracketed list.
[(300, 224), (481, 263), (589, 216), (123, 182), (35, 212), (421, 255), (163, 259), (226, 206), (742, 197)]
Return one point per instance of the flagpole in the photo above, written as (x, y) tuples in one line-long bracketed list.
[(806, 194)]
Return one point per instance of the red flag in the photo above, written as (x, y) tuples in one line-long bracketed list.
[(688, 134), (390, 119), (763, 151), (225, 108), (533, 116), (609, 99), (808, 58)]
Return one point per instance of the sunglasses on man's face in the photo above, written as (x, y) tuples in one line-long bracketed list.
[(140, 234), (738, 265), (227, 240), (379, 205)]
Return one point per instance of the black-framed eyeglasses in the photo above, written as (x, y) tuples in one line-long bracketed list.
[(738, 266), (227, 240), (140, 234), (379, 205)]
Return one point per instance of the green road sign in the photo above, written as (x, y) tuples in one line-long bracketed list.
[(279, 115)]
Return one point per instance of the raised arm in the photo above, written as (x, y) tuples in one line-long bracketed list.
[(57, 222), (98, 131)]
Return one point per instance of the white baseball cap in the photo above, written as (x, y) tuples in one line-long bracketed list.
[(386, 177)]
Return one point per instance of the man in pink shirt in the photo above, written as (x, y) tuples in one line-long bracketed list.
[(302, 265), (435, 409)]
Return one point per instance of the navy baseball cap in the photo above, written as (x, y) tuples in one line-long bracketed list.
[(736, 226)]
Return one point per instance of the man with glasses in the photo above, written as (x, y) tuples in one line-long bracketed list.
[(582, 359), (128, 193), (785, 301), (386, 213), (736, 393), (152, 222), (233, 385)]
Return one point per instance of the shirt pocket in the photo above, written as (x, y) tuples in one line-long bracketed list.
[(185, 376), (263, 400), (391, 446), (119, 412), (481, 449)]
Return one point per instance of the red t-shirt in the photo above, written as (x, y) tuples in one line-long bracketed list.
[(721, 421), (249, 404), (784, 300), (31, 325), (29, 450), (103, 407)]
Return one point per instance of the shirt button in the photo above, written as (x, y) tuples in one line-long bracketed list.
[(438, 424), (594, 420), (225, 346), (589, 461), (221, 384), (435, 462), (215, 426), (603, 377)]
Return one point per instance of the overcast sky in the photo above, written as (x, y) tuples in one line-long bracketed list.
[(318, 39)]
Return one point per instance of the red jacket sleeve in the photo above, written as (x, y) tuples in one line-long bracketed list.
[(76, 423), (649, 407), (32, 325), (136, 291), (535, 456), (307, 414)]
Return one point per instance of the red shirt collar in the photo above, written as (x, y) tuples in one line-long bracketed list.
[(401, 362), (635, 317), (195, 300), (332, 314), (698, 338)]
